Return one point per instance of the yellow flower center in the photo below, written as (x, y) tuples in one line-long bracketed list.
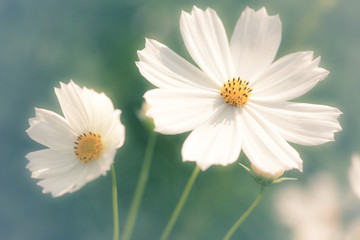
[(88, 146), (236, 92)]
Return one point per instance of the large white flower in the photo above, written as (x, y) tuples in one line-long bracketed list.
[(81, 146), (239, 98), (354, 174)]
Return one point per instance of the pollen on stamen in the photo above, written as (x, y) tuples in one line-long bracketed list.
[(236, 92), (88, 147)]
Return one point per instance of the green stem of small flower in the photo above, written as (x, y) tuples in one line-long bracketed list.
[(115, 204), (244, 216), (140, 188), (180, 204)]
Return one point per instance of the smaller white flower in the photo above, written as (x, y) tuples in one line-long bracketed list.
[(354, 174), (81, 146)]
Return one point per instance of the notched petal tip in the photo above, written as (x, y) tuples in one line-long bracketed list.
[(308, 55), (71, 83), (203, 167), (195, 12), (338, 111), (32, 122), (146, 95), (264, 12), (118, 112), (182, 14), (260, 11), (184, 17), (248, 9), (44, 191), (148, 42), (71, 86), (300, 168), (323, 71), (64, 85), (138, 63), (196, 9)]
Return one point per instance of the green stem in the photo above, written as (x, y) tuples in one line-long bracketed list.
[(144, 174), (115, 204), (244, 216), (180, 204)]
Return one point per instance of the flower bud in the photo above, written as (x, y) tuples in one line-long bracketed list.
[(266, 175), (147, 121)]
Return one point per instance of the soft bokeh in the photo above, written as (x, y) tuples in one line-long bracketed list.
[(320, 210), (94, 43), (354, 174), (312, 212)]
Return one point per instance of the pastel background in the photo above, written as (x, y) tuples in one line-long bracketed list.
[(94, 43)]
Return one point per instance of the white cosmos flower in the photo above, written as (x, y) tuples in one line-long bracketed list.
[(253, 114), (354, 174), (81, 146)]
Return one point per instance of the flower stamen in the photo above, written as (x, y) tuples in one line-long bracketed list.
[(236, 92), (88, 147)]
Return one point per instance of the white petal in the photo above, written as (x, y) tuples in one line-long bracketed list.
[(72, 103), (103, 119), (289, 77), (354, 174), (205, 39), (51, 130), (255, 42), (165, 69), (49, 163), (100, 110), (59, 169), (178, 111), (266, 148), (87, 110), (115, 135), (67, 183), (301, 123), (105, 161), (62, 173), (218, 141)]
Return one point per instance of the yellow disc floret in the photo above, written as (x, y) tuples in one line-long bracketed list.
[(236, 92), (88, 146)]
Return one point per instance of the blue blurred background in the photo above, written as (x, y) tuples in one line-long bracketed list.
[(94, 43)]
